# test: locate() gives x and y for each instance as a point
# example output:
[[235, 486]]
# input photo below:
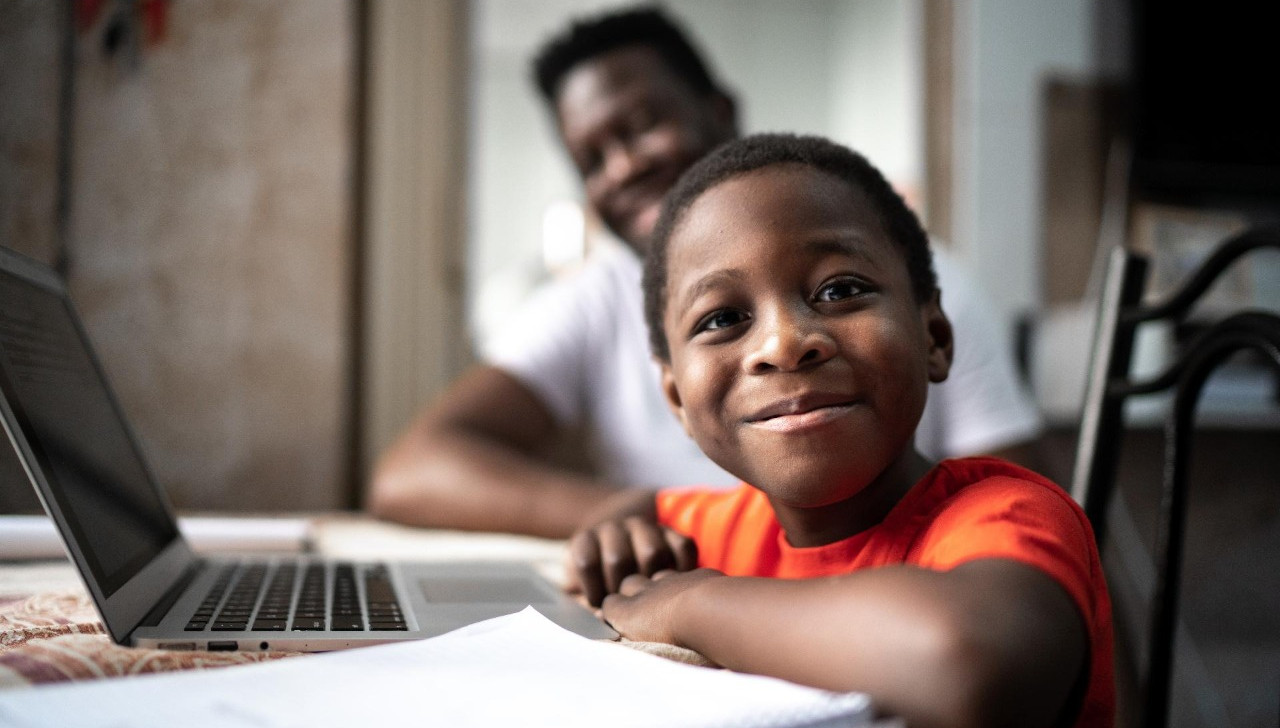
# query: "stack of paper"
[[518, 670], [34, 537]]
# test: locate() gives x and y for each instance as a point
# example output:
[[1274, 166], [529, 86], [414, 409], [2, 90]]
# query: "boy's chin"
[[807, 490]]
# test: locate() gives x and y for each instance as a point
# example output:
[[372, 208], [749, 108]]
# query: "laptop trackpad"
[[478, 589]]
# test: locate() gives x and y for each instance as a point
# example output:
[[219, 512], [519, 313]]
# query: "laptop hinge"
[[162, 607]]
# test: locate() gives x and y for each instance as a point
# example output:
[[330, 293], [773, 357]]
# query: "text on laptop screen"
[[64, 407]]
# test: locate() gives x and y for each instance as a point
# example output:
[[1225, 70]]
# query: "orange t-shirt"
[[962, 510]]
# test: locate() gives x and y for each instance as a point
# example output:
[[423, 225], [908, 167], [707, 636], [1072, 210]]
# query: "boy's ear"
[[672, 394], [940, 337]]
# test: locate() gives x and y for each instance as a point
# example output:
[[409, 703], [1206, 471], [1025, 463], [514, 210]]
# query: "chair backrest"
[[1093, 483]]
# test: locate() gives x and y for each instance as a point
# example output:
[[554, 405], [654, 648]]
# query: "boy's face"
[[800, 358], [632, 127]]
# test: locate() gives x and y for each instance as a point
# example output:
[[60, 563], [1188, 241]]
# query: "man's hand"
[[643, 607], [602, 556]]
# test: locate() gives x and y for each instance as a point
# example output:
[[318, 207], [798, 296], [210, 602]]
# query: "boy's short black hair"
[[643, 25], [764, 150]]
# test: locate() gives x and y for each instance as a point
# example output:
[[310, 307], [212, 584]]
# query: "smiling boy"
[[795, 315]]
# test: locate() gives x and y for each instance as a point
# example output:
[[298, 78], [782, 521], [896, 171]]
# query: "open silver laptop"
[[119, 529]]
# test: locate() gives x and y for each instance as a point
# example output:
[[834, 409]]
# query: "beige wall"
[[29, 78], [210, 239]]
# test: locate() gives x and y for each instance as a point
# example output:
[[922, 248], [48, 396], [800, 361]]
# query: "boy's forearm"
[[889, 632]]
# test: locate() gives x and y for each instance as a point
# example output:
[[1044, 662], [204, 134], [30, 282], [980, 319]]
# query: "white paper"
[[516, 670], [34, 537]]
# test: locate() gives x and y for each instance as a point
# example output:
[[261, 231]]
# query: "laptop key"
[[346, 624], [270, 625], [308, 625], [195, 626]]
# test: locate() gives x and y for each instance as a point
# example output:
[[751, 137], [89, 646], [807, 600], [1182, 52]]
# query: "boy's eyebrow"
[[709, 282], [838, 244]]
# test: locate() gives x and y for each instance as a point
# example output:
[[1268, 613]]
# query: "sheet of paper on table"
[[515, 670], [370, 539], [34, 537]]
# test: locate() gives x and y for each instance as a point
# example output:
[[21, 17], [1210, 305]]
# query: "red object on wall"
[[153, 15]]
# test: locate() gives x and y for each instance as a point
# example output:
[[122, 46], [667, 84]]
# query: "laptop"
[[119, 529]]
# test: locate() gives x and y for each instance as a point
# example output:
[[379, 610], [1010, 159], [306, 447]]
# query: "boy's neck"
[[809, 527]]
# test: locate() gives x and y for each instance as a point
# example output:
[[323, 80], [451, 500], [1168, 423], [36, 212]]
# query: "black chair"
[[1093, 483]]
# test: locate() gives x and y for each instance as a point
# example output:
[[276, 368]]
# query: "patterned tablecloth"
[[49, 632]]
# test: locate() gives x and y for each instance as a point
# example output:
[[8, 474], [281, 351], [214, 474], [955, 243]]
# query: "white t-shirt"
[[582, 346]]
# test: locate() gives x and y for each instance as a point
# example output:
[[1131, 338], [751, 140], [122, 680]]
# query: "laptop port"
[[222, 646], [187, 646]]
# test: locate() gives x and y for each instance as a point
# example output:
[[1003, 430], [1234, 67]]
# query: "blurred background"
[[286, 222]]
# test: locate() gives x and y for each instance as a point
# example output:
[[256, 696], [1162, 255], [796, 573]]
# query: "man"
[[635, 106]]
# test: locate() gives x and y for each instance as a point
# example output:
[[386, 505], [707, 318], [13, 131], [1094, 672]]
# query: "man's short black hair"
[[645, 25], [764, 150]]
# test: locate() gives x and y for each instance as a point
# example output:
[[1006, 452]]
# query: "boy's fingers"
[[633, 585], [617, 559], [684, 550], [584, 556], [649, 546]]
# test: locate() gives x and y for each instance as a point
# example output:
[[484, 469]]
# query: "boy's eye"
[[722, 319], [839, 290]]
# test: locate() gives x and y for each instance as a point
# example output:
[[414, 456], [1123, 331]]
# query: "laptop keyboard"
[[306, 597]]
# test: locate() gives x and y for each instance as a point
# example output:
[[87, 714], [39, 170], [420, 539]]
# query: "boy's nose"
[[787, 342]]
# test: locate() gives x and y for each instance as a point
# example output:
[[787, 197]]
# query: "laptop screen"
[[63, 406]]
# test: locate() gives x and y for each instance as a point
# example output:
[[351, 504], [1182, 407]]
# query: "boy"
[[794, 313]]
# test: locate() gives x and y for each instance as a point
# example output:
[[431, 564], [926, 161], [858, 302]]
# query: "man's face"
[[800, 357], [632, 127]]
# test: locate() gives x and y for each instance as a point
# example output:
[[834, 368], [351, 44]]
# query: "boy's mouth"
[[800, 413]]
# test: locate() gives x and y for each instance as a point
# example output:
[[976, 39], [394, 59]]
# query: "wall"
[[30, 37], [209, 244], [1006, 50]]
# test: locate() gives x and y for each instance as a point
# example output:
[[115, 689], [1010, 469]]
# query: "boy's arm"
[[471, 461], [989, 643]]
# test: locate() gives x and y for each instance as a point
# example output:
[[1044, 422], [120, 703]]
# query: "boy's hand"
[[643, 607], [601, 556]]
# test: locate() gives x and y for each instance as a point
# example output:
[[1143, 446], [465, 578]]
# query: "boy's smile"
[[796, 414], [800, 357]]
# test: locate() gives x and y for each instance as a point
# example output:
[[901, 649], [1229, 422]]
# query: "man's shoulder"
[[606, 281], [610, 272]]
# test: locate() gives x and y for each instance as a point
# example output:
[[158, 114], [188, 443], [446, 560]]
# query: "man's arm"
[[473, 460], [988, 643]]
